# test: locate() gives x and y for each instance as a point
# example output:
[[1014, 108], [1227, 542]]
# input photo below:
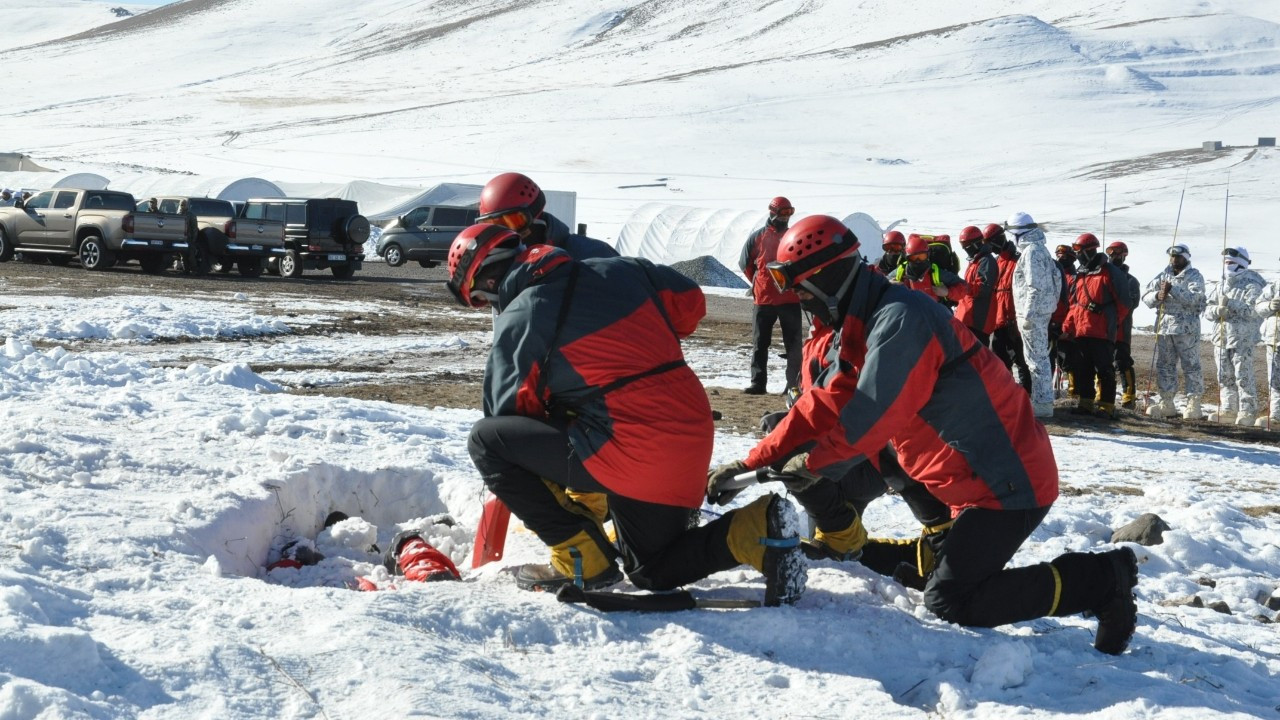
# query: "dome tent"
[[562, 204], [220, 188], [668, 234]]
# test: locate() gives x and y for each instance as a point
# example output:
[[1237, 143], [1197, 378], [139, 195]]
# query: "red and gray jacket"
[[596, 345], [760, 250], [936, 277], [907, 371], [579, 247], [1098, 303], [977, 308], [1006, 263]]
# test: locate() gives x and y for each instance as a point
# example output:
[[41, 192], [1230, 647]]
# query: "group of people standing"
[[592, 415]]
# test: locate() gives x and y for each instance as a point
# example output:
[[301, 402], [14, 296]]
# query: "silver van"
[[424, 234]]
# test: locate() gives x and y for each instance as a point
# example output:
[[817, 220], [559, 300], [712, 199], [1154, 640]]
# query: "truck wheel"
[[198, 260], [59, 260], [250, 267], [342, 272], [393, 255], [94, 254], [222, 265], [272, 265], [6, 249], [290, 264], [155, 263], [428, 263]]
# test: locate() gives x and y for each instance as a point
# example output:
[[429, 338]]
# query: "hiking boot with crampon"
[[1118, 616]]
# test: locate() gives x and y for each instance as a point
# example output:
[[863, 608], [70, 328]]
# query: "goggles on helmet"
[[918, 257], [894, 247], [784, 212], [784, 274], [514, 220], [1232, 252]]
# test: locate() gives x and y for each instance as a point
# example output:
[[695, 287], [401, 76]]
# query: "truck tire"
[[250, 267], [428, 263], [393, 254], [6, 248], [272, 265], [355, 229], [290, 264], [60, 260], [343, 272], [155, 263], [94, 254]]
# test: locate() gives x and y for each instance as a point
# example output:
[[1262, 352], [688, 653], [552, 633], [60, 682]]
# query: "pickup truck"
[[319, 233], [222, 241], [100, 227]]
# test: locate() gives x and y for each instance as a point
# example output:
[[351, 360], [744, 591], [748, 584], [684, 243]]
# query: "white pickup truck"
[[100, 227]]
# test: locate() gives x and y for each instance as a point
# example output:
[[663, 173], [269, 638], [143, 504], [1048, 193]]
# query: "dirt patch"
[[1261, 510]]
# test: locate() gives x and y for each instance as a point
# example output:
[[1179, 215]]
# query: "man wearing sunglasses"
[[771, 304], [894, 246], [1268, 308], [516, 203], [906, 371], [1177, 295], [1236, 330]]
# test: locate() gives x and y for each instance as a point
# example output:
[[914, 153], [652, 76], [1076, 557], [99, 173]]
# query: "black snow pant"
[[971, 586], [762, 321], [1094, 358], [1006, 343], [660, 548]]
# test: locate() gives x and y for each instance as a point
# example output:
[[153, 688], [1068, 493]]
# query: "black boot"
[[1118, 616]]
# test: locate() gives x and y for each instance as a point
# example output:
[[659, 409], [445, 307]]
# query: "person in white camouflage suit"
[[1236, 331], [1268, 309], [1037, 282], [1177, 294]]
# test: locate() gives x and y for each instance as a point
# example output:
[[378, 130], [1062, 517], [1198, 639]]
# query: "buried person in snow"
[[997, 473], [569, 403]]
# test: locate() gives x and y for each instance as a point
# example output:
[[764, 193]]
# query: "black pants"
[[659, 549], [971, 585], [1006, 343], [1094, 358], [762, 320]]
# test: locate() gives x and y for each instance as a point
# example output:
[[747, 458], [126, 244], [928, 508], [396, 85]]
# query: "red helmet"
[[917, 244], [781, 206], [472, 250], [1118, 247], [810, 245], [970, 235], [511, 200], [893, 237], [1086, 241], [941, 239], [994, 231]]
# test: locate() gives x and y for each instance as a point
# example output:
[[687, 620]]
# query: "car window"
[[65, 199], [212, 208], [275, 211], [452, 217], [417, 218], [112, 201], [169, 206], [40, 201], [255, 211], [297, 214]]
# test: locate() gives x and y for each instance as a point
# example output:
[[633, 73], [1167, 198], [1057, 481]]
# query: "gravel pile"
[[709, 271]]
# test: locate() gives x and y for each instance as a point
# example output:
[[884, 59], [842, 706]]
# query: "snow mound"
[[707, 270]]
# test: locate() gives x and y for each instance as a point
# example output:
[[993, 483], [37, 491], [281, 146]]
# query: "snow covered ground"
[[141, 501]]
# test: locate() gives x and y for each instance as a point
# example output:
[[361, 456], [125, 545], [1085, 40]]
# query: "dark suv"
[[318, 234], [424, 234]]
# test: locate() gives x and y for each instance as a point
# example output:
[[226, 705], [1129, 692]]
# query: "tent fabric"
[[83, 181], [668, 234], [562, 204]]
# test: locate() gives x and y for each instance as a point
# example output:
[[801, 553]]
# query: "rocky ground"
[[416, 301]]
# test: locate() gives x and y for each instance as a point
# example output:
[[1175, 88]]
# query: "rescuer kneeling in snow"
[[911, 373]]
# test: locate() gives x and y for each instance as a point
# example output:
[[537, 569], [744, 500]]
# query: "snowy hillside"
[[143, 493]]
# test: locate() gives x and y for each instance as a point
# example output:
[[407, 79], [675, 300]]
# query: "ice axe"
[[606, 601]]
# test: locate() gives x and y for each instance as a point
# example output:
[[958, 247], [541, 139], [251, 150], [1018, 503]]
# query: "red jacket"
[[1098, 303], [1006, 262], [956, 288], [1064, 300], [976, 308], [911, 373], [760, 250], [613, 370]]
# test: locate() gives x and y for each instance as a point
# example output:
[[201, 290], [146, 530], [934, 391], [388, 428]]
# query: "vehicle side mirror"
[[19, 204]]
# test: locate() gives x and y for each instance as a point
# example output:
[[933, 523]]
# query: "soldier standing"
[[1177, 294]]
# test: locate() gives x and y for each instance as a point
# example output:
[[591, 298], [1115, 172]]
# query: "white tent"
[[83, 181], [31, 180], [667, 233], [221, 188]]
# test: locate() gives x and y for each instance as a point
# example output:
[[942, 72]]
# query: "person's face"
[[1178, 262]]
